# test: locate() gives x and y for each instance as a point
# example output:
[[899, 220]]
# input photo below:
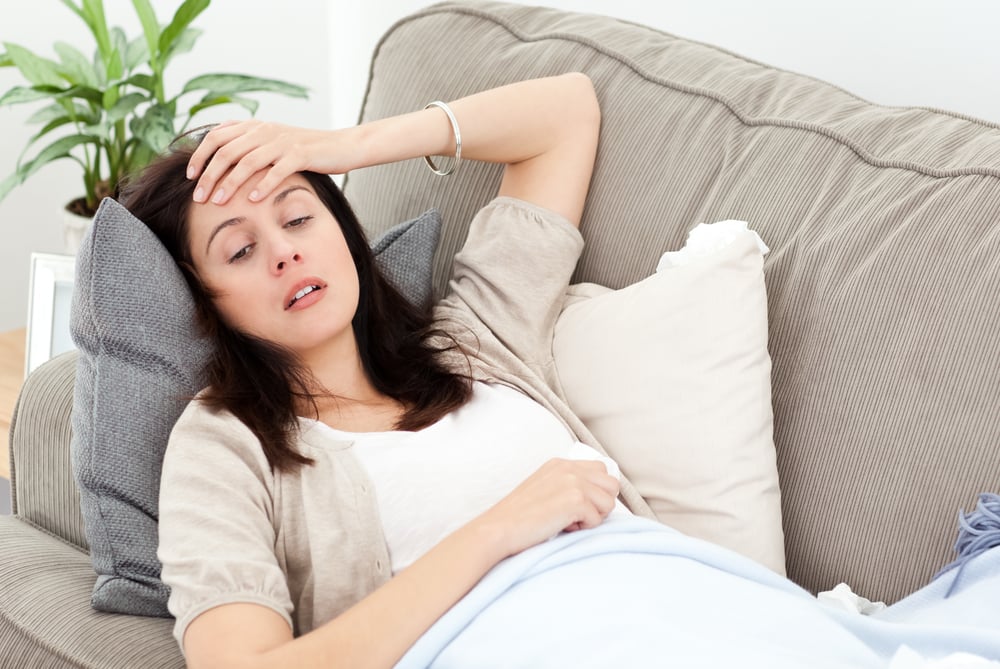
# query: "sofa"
[[881, 282]]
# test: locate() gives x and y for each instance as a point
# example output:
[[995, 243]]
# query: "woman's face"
[[280, 268]]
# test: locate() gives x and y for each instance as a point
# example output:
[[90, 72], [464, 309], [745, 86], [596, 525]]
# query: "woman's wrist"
[[403, 137], [486, 536]]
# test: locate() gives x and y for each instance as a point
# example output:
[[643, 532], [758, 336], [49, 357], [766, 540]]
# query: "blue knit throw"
[[978, 532]]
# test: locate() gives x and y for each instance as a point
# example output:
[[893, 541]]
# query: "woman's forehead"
[[206, 218]]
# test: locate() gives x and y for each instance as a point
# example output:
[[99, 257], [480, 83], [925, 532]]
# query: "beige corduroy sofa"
[[884, 228]]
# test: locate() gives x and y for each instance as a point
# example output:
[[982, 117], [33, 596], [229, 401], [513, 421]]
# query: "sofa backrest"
[[881, 280]]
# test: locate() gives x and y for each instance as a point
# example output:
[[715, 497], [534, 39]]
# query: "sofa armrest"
[[45, 614], [42, 486]]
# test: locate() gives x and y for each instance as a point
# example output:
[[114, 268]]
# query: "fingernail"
[[219, 194], [199, 194], [190, 172], [254, 196]]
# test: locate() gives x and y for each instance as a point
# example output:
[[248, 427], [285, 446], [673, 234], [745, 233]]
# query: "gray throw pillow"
[[141, 357]]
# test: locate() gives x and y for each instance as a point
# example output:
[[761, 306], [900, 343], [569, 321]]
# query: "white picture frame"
[[50, 295]]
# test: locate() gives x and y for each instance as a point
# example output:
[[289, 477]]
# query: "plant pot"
[[74, 228]]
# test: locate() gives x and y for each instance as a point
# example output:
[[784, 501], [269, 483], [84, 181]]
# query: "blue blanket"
[[634, 593]]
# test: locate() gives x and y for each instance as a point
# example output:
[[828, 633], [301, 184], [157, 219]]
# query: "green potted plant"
[[111, 113]]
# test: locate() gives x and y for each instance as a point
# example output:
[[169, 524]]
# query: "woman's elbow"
[[583, 98]]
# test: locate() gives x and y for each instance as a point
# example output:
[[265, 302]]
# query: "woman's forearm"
[[501, 125], [378, 630], [548, 126]]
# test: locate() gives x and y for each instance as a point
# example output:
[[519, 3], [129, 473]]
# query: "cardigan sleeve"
[[216, 526], [512, 274]]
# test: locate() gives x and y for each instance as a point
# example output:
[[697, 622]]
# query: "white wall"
[[894, 52], [286, 40]]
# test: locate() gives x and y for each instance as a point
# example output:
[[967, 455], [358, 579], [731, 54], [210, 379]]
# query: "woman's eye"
[[242, 253], [296, 222]]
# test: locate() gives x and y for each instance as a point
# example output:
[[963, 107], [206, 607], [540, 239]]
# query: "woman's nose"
[[283, 260]]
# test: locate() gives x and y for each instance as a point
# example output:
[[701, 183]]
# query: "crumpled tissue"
[[704, 240], [842, 597]]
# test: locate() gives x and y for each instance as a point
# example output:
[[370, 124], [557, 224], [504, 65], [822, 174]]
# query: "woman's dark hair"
[[262, 383]]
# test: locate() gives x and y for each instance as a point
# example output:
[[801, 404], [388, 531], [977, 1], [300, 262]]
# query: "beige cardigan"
[[309, 544]]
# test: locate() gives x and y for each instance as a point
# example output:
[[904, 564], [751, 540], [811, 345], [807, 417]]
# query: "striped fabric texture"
[[44, 492], [882, 277], [46, 621]]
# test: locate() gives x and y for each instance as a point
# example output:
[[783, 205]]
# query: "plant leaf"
[[150, 29], [8, 184], [37, 70], [144, 81], [183, 44], [49, 127], [6, 61], [76, 9], [227, 84], [136, 52], [75, 67], [57, 110], [81, 92], [155, 128], [125, 106], [209, 101], [93, 14], [97, 130], [58, 149], [21, 94], [140, 156], [116, 68], [185, 14]]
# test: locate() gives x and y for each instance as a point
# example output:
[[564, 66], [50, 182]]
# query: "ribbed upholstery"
[[882, 279], [43, 489], [46, 621]]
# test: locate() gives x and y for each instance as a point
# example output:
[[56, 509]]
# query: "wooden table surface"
[[11, 378]]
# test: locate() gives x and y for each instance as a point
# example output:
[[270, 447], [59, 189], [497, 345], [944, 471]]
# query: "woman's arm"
[[545, 130], [379, 629]]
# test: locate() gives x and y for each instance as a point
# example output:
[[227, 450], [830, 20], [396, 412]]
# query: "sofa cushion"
[[45, 619], [141, 359], [673, 376], [881, 279]]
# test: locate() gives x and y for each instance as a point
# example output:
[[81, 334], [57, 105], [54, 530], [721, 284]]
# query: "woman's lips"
[[304, 294]]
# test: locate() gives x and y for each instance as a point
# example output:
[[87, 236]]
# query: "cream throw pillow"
[[673, 376]]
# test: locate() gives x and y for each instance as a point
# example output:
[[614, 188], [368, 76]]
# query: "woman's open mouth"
[[305, 294]]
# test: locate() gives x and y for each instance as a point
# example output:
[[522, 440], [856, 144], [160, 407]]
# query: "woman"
[[354, 467]]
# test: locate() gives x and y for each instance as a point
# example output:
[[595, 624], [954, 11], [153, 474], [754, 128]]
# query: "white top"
[[431, 482]]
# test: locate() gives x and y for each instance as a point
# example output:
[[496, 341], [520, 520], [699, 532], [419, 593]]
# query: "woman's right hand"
[[234, 151], [562, 495], [377, 631]]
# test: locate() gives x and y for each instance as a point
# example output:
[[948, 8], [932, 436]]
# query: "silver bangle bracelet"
[[458, 140]]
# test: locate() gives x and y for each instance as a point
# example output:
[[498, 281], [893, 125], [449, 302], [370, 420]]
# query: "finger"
[[279, 171], [609, 484], [229, 168], [596, 472], [602, 500], [253, 162], [590, 518], [216, 137]]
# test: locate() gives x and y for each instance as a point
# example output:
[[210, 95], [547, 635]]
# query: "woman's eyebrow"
[[240, 219], [283, 194], [220, 227]]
